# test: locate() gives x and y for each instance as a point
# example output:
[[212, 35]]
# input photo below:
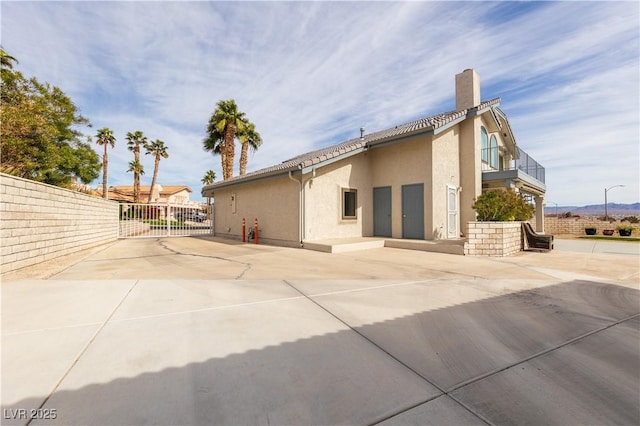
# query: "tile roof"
[[145, 189], [116, 194], [172, 189], [354, 145]]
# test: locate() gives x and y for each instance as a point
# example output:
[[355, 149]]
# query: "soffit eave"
[[209, 190], [522, 180]]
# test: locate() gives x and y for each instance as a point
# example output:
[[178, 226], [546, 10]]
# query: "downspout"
[[299, 182], [303, 216]]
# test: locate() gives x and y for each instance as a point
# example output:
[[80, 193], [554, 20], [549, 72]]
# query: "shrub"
[[627, 228], [631, 219], [606, 219], [502, 206]]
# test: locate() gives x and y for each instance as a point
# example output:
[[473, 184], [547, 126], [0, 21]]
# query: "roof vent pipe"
[[361, 133]]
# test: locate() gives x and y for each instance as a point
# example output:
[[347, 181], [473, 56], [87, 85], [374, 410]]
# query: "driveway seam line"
[[371, 288], [443, 392], [82, 352], [449, 392], [215, 308], [361, 335], [539, 354]]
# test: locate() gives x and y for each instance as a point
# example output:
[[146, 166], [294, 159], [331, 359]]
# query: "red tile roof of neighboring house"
[[125, 192], [117, 195], [145, 189]]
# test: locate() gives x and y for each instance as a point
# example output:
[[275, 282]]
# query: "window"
[[349, 203], [485, 145], [493, 148]]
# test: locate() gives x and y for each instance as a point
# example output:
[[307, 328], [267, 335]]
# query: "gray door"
[[413, 211], [382, 211]]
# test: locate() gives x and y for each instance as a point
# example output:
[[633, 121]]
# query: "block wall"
[[576, 225], [493, 238], [40, 222]]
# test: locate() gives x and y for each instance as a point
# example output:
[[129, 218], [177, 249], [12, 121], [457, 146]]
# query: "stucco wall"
[[401, 164], [446, 172], [274, 202], [470, 171], [493, 238], [323, 200], [40, 222], [394, 165], [181, 197]]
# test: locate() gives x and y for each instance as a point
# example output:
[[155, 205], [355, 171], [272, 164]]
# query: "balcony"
[[524, 173], [527, 164]]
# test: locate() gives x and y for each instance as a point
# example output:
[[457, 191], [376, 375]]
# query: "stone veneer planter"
[[493, 238]]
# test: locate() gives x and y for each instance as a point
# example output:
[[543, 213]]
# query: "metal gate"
[[161, 220]]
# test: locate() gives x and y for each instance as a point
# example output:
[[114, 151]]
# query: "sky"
[[311, 74]]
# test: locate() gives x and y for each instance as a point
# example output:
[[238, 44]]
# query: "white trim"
[[455, 232], [343, 191]]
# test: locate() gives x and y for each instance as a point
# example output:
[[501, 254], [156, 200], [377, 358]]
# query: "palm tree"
[[249, 138], [225, 121], [213, 142], [106, 138], [137, 168], [134, 140], [208, 179], [6, 60], [159, 150]]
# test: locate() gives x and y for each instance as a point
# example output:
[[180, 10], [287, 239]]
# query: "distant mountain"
[[616, 209]]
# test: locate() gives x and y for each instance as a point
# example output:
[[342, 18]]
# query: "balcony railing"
[[525, 162]]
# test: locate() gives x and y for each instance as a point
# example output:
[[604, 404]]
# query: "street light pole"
[[606, 216]]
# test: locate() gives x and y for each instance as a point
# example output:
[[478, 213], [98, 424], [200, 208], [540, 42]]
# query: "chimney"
[[467, 89]]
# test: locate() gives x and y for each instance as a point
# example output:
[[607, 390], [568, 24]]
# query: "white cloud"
[[311, 74]]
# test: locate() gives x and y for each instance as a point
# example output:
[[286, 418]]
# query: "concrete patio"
[[199, 331]]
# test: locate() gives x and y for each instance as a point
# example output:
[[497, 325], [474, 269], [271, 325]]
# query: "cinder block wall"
[[576, 225], [493, 238], [40, 222]]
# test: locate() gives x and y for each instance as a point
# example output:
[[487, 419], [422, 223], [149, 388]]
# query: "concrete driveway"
[[195, 331]]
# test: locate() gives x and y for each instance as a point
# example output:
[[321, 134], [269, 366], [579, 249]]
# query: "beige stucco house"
[[176, 195], [416, 180]]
